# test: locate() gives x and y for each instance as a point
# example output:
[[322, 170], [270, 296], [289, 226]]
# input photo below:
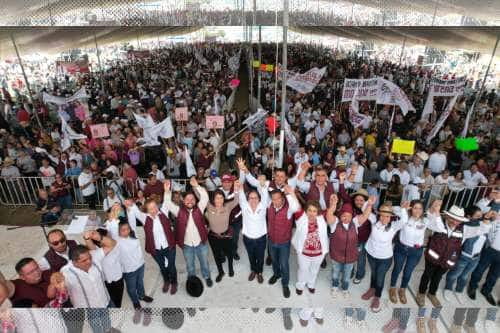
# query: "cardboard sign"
[[466, 144], [99, 131], [214, 122], [181, 114], [234, 83], [406, 147]]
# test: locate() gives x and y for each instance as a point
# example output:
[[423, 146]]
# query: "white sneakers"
[[334, 291], [447, 295], [460, 298]]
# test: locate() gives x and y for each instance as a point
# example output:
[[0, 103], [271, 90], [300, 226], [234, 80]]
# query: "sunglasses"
[[57, 242]]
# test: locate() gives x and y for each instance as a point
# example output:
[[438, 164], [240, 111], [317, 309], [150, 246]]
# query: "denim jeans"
[[99, 318], [361, 264], [200, 251], [360, 313], [343, 269], [135, 284], [256, 249], [402, 315], [460, 273], [489, 258], [434, 312], [65, 202], [404, 256], [169, 273], [280, 254], [379, 268]]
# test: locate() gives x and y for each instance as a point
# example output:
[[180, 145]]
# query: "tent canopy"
[[478, 39], [55, 40]]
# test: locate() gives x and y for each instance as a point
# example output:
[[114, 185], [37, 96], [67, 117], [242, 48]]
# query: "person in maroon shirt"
[[204, 160], [60, 190], [33, 284], [153, 187]]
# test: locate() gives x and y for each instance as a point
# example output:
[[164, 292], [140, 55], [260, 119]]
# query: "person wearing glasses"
[[58, 254]]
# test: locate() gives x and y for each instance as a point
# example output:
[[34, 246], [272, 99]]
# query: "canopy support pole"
[[35, 112], [402, 51], [283, 84], [99, 62]]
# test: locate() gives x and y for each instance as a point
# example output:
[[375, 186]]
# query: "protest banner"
[[181, 114], [99, 131], [390, 94], [47, 98], [406, 147], [306, 82], [138, 54], [73, 67], [466, 144], [446, 88], [216, 122], [441, 120], [367, 89]]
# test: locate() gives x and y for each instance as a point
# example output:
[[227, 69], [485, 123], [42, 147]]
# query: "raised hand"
[[334, 199], [436, 206], [372, 199], [305, 166], [342, 177], [405, 205], [236, 185], [193, 182], [167, 185], [288, 189], [241, 164]]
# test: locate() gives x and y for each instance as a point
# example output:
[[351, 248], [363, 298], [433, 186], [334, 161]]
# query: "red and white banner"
[[73, 67], [305, 83], [364, 89], [441, 120], [440, 87], [391, 94], [357, 119], [47, 98]]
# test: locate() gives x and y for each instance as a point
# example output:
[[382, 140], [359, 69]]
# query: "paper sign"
[[256, 63], [181, 114], [406, 147], [214, 122], [466, 144], [234, 83], [77, 225], [99, 131], [269, 68]]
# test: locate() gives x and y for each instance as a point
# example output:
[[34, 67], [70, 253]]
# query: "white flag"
[[152, 131], [442, 119], [68, 134], [190, 170], [47, 98], [255, 118], [467, 120], [390, 94], [305, 83], [357, 119]]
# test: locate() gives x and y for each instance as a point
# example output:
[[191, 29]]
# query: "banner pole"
[[99, 62], [35, 112], [283, 84]]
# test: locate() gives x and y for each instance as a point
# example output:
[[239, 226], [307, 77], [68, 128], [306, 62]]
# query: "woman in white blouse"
[[379, 249], [132, 261], [311, 242], [409, 247], [115, 215]]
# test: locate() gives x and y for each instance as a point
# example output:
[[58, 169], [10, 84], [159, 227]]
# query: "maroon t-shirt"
[[35, 292]]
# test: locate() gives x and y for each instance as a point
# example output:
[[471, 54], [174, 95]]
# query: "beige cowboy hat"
[[362, 192], [386, 207], [8, 161], [423, 155], [456, 213]]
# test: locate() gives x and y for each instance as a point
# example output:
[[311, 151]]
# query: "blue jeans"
[[360, 313], [200, 251], [135, 284], [280, 254], [255, 250], [379, 268], [489, 258], [343, 269], [99, 318], [434, 312], [168, 273], [361, 265], [460, 273], [404, 256]]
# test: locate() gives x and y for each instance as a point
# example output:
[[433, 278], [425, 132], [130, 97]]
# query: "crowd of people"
[[340, 197]]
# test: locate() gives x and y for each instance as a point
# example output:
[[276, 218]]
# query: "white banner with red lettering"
[[47, 98], [367, 89], [390, 94], [305, 83], [447, 88]]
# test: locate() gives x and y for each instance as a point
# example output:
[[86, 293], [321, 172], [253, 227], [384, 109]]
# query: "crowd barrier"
[[23, 191]]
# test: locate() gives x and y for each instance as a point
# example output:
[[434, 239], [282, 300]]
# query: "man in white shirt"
[[84, 281], [47, 172], [416, 168], [320, 131], [191, 230], [472, 177], [157, 172], [437, 162], [404, 176], [301, 156], [232, 146], [111, 199], [387, 173], [86, 182]]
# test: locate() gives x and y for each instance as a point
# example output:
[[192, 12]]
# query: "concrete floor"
[[230, 304]]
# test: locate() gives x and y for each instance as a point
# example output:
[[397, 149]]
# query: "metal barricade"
[[23, 191]]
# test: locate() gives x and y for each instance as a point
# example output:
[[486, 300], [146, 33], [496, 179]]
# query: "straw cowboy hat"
[[456, 213], [8, 161], [386, 207], [423, 155], [362, 192]]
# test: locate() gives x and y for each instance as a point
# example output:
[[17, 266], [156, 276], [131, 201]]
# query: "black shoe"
[[231, 273], [147, 299], [489, 298], [273, 279], [219, 277], [323, 263], [269, 261], [236, 256], [209, 282], [286, 292], [223, 259], [471, 293]]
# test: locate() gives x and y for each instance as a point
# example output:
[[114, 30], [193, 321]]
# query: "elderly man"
[[191, 229]]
